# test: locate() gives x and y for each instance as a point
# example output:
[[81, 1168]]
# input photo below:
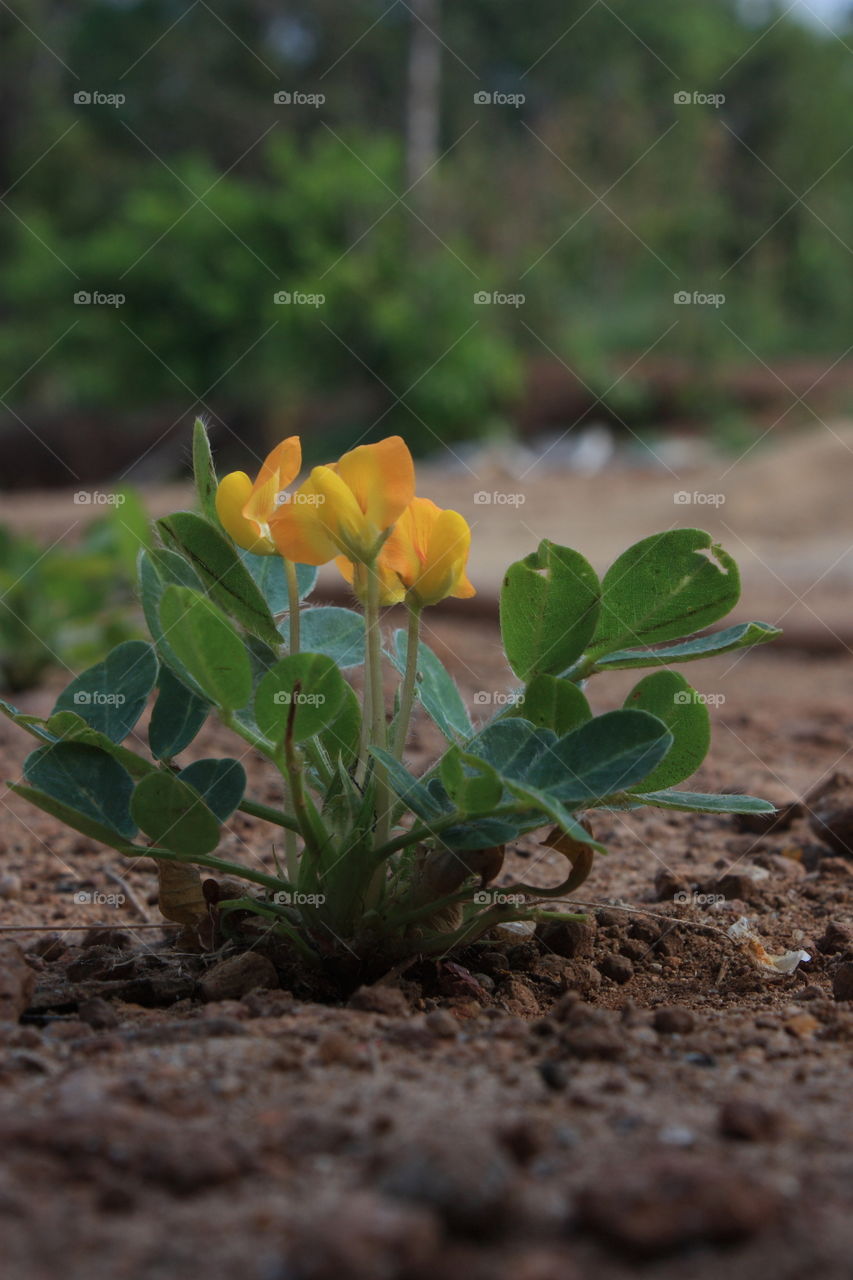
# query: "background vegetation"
[[598, 198]]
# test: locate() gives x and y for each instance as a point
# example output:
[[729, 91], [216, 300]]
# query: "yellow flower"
[[344, 509], [391, 589], [246, 509], [428, 551]]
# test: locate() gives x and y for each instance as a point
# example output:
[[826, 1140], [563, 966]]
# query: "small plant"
[[378, 863], [67, 605]]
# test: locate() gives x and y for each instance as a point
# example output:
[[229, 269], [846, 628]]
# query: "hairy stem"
[[407, 692]]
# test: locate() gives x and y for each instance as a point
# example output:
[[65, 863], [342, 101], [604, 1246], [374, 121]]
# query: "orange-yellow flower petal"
[[428, 549], [297, 530], [245, 508], [391, 589], [382, 479], [232, 494]]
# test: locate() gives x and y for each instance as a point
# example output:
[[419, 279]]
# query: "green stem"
[[291, 856], [377, 702], [214, 864], [407, 692], [268, 814]]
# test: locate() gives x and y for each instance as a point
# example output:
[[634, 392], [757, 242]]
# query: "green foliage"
[[378, 860], [68, 603]]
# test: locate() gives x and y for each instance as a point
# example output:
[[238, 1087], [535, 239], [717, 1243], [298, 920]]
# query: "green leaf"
[[73, 818], [152, 584], [208, 646], [549, 608], [339, 633], [85, 779], [665, 587], [410, 789], [340, 738], [268, 573], [225, 577], [111, 695], [173, 815], [741, 636], [608, 754], [512, 746], [67, 726], [552, 703], [220, 783], [33, 725], [435, 689], [177, 717], [312, 682], [697, 802], [472, 784], [204, 471], [667, 695], [556, 812]]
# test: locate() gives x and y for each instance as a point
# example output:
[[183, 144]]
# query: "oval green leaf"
[[208, 646], [307, 685], [111, 695], [173, 815], [667, 695], [549, 609]]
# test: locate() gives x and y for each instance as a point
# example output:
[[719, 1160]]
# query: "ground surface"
[[649, 1102]]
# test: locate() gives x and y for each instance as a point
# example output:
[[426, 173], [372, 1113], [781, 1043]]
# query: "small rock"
[[442, 1024], [17, 982], [97, 1013], [373, 1239], [568, 938], [590, 1042], [50, 947], [836, 939], [553, 1074], [802, 1025], [10, 886], [462, 1177], [101, 936], [831, 816], [336, 1047], [748, 1120], [668, 885], [735, 884], [617, 968], [650, 1208], [673, 1020], [237, 975], [842, 982], [380, 999]]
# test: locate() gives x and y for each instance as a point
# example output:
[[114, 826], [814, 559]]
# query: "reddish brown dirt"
[[650, 1104]]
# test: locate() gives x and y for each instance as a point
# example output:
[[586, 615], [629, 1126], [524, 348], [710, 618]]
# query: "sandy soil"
[[627, 1096]]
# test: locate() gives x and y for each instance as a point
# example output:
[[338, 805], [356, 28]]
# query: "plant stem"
[[268, 814], [291, 857], [377, 702], [407, 692], [214, 864]]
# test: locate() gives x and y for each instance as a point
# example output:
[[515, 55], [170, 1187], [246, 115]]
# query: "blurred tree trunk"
[[423, 107]]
